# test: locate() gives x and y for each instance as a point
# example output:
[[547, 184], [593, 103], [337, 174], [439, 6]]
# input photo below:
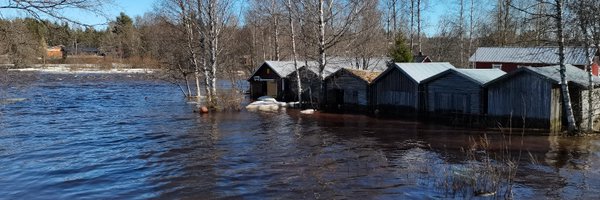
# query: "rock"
[[308, 111], [203, 109]]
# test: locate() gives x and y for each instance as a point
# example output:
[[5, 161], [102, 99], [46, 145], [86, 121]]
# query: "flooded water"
[[121, 136]]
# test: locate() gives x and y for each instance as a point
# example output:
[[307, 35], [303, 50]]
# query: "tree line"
[[201, 41]]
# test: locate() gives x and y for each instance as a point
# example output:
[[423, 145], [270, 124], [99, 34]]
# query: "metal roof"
[[572, 73], [421, 71], [336, 63], [283, 68], [482, 76], [530, 55]]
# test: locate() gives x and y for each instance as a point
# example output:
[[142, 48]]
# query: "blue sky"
[[436, 9]]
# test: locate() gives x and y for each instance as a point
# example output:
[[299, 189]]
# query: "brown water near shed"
[[123, 136]]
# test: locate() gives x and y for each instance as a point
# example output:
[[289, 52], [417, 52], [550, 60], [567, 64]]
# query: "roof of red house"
[[531, 55]]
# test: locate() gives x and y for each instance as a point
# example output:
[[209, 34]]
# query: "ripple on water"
[[98, 138]]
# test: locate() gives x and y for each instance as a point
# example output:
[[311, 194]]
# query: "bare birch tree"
[[213, 17], [288, 5]]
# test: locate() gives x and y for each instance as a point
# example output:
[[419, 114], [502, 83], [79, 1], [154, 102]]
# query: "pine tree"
[[400, 52]]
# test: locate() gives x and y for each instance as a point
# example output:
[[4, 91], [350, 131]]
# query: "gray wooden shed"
[[459, 91], [311, 82], [348, 89], [398, 90], [532, 95]]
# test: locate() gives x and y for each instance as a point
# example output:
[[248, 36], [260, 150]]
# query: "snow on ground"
[[84, 69], [266, 103]]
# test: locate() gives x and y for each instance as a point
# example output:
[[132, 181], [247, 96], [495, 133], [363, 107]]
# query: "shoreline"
[[83, 68]]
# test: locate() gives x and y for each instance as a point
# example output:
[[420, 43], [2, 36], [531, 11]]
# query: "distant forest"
[[206, 38], [354, 29]]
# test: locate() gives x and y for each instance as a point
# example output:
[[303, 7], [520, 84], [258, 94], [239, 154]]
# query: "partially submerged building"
[[398, 89], [348, 89], [459, 91], [270, 79], [530, 97], [278, 79]]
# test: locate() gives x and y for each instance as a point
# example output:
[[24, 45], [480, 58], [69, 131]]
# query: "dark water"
[[119, 136]]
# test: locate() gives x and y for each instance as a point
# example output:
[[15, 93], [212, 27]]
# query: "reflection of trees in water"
[[286, 155]]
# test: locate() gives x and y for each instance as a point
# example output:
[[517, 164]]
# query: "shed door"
[[272, 88]]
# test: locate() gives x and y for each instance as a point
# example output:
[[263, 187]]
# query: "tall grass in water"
[[484, 172], [489, 168]]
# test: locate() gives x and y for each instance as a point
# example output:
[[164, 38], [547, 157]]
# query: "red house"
[[511, 58]]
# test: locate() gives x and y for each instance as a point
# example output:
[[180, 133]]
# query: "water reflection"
[[129, 137]]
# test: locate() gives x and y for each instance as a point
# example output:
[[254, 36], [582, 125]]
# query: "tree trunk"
[[187, 85], [571, 126], [214, 46], [461, 33], [193, 57], [583, 25], [419, 24], [276, 29], [322, 47], [471, 27], [294, 54], [412, 25], [394, 19]]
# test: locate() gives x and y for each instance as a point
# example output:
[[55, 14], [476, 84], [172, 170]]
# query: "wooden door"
[[272, 89]]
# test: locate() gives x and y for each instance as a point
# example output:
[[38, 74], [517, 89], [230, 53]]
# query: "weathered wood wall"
[[354, 89], [524, 95], [310, 85], [396, 91], [452, 93], [258, 89]]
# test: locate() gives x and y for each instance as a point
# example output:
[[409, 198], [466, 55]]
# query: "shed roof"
[[421, 71], [336, 63], [365, 75], [572, 73], [530, 55], [283, 68], [481, 76]]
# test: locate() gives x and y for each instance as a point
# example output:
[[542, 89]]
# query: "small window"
[[268, 71], [496, 66]]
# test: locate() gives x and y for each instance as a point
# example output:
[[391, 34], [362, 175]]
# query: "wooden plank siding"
[[310, 85], [259, 88], [344, 91], [395, 93], [452, 93], [525, 96]]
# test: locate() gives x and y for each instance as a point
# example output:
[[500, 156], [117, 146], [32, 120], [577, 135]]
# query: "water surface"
[[123, 136]]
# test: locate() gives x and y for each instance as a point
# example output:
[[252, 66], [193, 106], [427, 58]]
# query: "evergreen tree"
[[400, 52]]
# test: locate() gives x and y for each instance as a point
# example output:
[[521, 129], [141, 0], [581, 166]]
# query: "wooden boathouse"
[[270, 79], [348, 90], [398, 91], [311, 82], [530, 97], [459, 91]]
